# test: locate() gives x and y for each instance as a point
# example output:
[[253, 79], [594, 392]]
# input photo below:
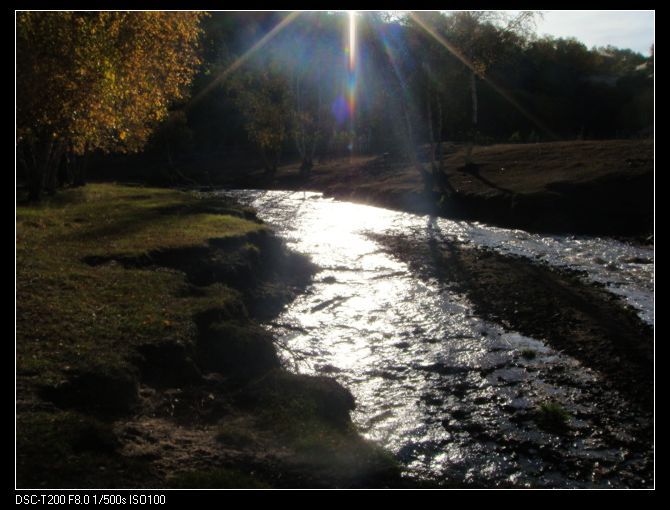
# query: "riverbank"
[[577, 187], [582, 319], [483, 357], [140, 361], [573, 317]]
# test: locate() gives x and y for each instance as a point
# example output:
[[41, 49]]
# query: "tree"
[[433, 77], [477, 39], [307, 106], [287, 88], [96, 81], [262, 95]]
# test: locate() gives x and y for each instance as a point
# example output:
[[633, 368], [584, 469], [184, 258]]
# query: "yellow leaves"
[[108, 82]]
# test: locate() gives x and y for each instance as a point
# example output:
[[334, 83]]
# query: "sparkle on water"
[[427, 374]]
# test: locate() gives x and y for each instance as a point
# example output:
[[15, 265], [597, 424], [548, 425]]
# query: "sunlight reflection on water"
[[433, 383]]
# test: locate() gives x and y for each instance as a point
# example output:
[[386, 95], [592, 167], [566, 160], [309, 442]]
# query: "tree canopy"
[[277, 85], [98, 80], [531, 88]]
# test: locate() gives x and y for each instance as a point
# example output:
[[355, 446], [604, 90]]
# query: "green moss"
[[243, 351], [237, 433], [310, 415], [300, 404], [64, 432]]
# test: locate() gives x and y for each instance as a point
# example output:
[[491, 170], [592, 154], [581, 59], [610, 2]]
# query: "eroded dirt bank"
[[140, 361], [581, 187], [466, 395]]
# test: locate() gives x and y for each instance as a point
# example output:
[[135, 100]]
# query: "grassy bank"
[[580, 187], [139, 359]]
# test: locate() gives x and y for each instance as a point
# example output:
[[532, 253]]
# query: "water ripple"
[[449, 393]]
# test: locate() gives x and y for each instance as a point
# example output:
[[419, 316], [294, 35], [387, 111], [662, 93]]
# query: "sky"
[[624, 29]]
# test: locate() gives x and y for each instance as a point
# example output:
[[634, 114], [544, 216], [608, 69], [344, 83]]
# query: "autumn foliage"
[[97, 81]]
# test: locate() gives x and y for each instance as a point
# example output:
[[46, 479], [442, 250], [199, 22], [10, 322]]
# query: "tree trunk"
[[277, 160], [168, 153], [306, 167], [81, 162], [431, 133], [34, 178], [317, 131], [51, 171], [473, 127], [425, 176], [266, 163], [299, 131], [25, 155], [439, 175], [473, 92], [439, 133], [39, 169], [63, 170]]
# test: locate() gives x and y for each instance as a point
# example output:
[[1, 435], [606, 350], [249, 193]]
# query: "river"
[[439, 387]]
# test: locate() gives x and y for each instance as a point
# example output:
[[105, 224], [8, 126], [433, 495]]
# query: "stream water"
[[450, 394]]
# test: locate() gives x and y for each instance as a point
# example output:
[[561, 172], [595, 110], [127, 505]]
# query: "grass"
[[552, 416], [81, 322], [74, 318], [528, 353], [71, 315], [74, 451]]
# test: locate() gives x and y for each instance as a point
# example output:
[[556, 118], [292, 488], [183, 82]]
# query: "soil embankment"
[[140, 362], [580, 187]]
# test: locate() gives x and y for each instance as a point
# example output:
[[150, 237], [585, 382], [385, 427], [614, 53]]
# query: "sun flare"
[[352, 40], [351, 85]]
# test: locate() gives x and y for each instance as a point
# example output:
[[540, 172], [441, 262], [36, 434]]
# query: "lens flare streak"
[[468, 63], [352, 77], [246, 56]]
